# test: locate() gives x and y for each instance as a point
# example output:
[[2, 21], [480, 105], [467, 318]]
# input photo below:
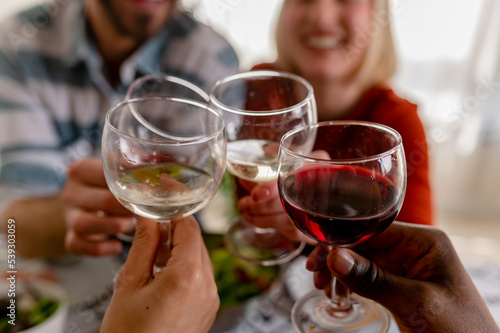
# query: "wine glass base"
[[260, 246], [312, 314]]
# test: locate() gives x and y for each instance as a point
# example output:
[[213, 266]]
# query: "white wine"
[[254, 160], [164, 191]]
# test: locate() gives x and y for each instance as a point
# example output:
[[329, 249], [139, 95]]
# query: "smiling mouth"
[[323, 43]]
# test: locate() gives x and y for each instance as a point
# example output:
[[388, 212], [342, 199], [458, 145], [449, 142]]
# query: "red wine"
[[339, 204]]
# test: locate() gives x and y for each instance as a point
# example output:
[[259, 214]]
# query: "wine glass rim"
[[187, 141], [344, 123], [171, 78], [263, 74]]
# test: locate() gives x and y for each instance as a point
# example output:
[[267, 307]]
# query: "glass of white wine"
[[259, 107], [163, 157], [161, 85]]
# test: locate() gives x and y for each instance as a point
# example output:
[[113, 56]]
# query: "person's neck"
[[336, 99], [114, 47]]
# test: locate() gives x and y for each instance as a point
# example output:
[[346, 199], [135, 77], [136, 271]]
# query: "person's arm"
[[415, 273], [40, 226], [181, 298], [92, 213], [79, 220], [29, 161]]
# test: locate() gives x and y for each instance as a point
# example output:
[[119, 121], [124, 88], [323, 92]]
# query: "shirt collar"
[[146, 60]]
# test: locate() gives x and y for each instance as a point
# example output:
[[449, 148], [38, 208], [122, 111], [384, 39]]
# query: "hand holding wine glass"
[[415, 273], [341, 200], [92, 213], [167, 302], [163, 158], [263, 208]]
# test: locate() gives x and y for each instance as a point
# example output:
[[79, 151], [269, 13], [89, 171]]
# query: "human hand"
[[262, 208], [92, 213], [415, 273], [181, 298]]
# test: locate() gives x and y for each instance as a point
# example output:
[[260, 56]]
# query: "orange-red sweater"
[[383, 106]]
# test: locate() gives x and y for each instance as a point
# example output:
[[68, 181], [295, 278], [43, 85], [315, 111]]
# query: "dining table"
[[89, 286], [88, 283]]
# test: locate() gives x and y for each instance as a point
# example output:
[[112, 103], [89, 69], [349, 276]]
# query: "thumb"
[[366, 278], [141, 257]]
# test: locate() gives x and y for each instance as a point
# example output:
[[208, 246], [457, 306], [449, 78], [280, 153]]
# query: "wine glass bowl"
[[156, 176], [163, 157], [162, 85], [350, 194], [259, 107]]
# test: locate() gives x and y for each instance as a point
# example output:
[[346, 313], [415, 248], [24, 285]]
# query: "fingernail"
[[311, 265], [343, 262], [261, 193]]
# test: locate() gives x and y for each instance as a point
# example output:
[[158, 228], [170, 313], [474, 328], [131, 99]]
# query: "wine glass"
[[161, 85], [351, 193], [163, 157], [258, 108]]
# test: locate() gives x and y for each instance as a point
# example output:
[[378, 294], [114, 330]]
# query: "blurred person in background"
[[345, 50], [62, 65]]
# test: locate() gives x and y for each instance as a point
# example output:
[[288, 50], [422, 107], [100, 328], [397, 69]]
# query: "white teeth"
[[323, 42]]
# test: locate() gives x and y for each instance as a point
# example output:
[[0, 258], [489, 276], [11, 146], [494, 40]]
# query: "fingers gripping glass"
[[350, 194], [258, 108], [155, 175]]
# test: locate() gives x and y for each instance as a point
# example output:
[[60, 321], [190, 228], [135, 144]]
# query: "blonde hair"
[[379, 62]]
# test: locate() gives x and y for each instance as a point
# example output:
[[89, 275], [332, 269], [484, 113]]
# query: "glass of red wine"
[[350, 191]]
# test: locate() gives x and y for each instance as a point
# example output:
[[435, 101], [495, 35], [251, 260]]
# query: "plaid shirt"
[[54, 95]]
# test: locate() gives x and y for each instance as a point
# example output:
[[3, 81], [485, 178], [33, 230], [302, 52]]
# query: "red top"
[[383, 106]]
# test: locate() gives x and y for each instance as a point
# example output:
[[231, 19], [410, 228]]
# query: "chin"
[[323, 74]]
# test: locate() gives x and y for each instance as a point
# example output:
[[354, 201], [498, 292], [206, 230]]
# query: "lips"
[[322, 42]]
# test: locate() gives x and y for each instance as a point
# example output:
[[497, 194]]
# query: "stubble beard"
[[143, 20]]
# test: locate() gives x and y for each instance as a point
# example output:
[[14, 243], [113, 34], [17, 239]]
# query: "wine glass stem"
[[341, 297], [165, 244]]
